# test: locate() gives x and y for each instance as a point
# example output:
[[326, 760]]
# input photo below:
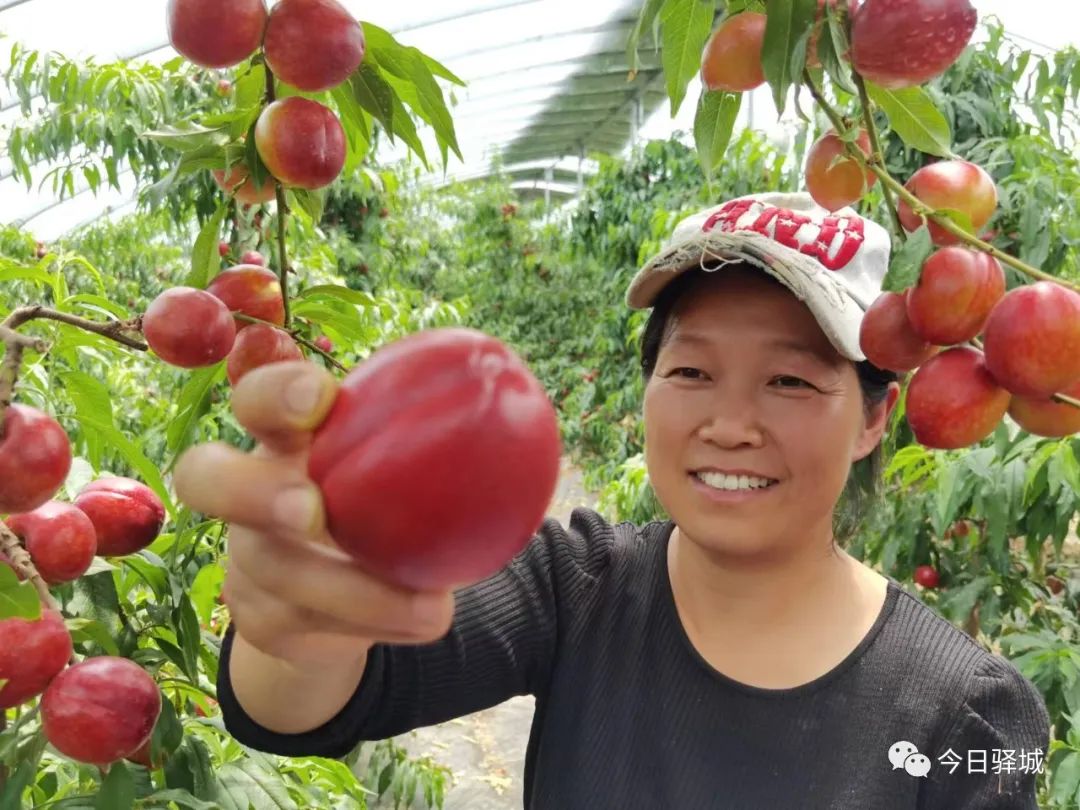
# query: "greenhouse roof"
[[547, 82]]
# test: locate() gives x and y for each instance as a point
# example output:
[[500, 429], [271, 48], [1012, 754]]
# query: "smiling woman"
[[733, 656]]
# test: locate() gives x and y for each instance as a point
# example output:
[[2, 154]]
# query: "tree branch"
[[282, 209], [922, 208], [114, 330]]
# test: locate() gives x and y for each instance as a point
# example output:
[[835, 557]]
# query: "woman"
[[731, 657]]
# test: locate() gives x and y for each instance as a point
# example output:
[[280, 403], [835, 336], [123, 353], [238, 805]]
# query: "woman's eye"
[[792, 382], [688, 373]]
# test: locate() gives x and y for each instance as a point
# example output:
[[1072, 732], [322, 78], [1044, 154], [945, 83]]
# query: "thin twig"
[[878, 155], [113, 330], [282, 209]]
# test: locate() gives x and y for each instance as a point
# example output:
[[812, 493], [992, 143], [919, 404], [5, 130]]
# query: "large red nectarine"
[[35, 457], [313, 45], [953, 401], [901, 43], [100, 710], [955, 184], [216, 33], [60, 539], [1048, 417], [259, 345], [956, 291], [301, 142], [189, 328], [1032, 339], [445, 428], [32, 652], [250, 290], [127, 515], [886, 336]]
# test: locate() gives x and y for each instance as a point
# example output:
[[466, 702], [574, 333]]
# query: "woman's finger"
[[251, 490], [282, 403]]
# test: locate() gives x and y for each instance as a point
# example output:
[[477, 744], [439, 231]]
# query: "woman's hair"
[[863, 486]]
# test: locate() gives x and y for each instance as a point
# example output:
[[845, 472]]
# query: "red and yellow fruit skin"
[[886, 336], [60, 539], [216, 33], [956, 292], [189, 328], [324, 343], [902, 43], [100, 710], [1032, 339], [301, 142], [35, 457], [956, 184], [253, 257], [237, 181], [32, 653], [1047, 417], [835, 185], [732, 57], [953, 402], [127, 515], [314, 45], [438, 459], [260, 345], [250, 290]]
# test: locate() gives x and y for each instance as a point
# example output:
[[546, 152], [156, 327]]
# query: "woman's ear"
[[877, 422]]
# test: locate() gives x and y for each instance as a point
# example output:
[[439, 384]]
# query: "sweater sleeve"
[[998, 744], [501, 643]]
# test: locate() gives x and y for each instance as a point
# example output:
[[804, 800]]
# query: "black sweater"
[[629, 716]]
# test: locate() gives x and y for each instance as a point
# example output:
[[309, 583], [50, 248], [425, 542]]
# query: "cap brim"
[[838, 314]]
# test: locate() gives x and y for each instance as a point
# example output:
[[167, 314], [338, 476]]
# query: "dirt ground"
[[486, 750]]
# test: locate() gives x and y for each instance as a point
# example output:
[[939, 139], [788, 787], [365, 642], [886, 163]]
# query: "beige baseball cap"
[[834, 262]]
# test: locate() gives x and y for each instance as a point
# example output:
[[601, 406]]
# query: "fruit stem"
[[918, 206], [878, 155], [282, 209], [113, 330]]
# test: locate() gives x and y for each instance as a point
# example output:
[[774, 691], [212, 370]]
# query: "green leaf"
[[205, 589], [181, 798], [374, 94], [831, 43], [646, 20], [193, 402], [905, 269], [189, 635], [1066, 779], [783, 54], [250, 88], [713, 124], [92, 631], [189, 137], [254, 782], [685, 26], [349, 324], [205, 259], [336, 291], [959, 217], [131, 453], [17, 599], [88, 395], [11, 797], [913, 116], [117, 790], [311, 202], [957, 604], [95, 598]]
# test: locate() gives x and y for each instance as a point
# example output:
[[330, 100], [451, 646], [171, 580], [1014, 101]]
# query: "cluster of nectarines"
[[311, 45], [103, 708], [192, 328], [894, 43]]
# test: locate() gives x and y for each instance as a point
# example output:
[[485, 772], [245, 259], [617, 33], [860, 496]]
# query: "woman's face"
[[747, 383]]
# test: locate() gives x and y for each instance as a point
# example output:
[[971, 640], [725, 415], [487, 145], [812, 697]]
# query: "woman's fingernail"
[[297, 508], [302, 395]]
